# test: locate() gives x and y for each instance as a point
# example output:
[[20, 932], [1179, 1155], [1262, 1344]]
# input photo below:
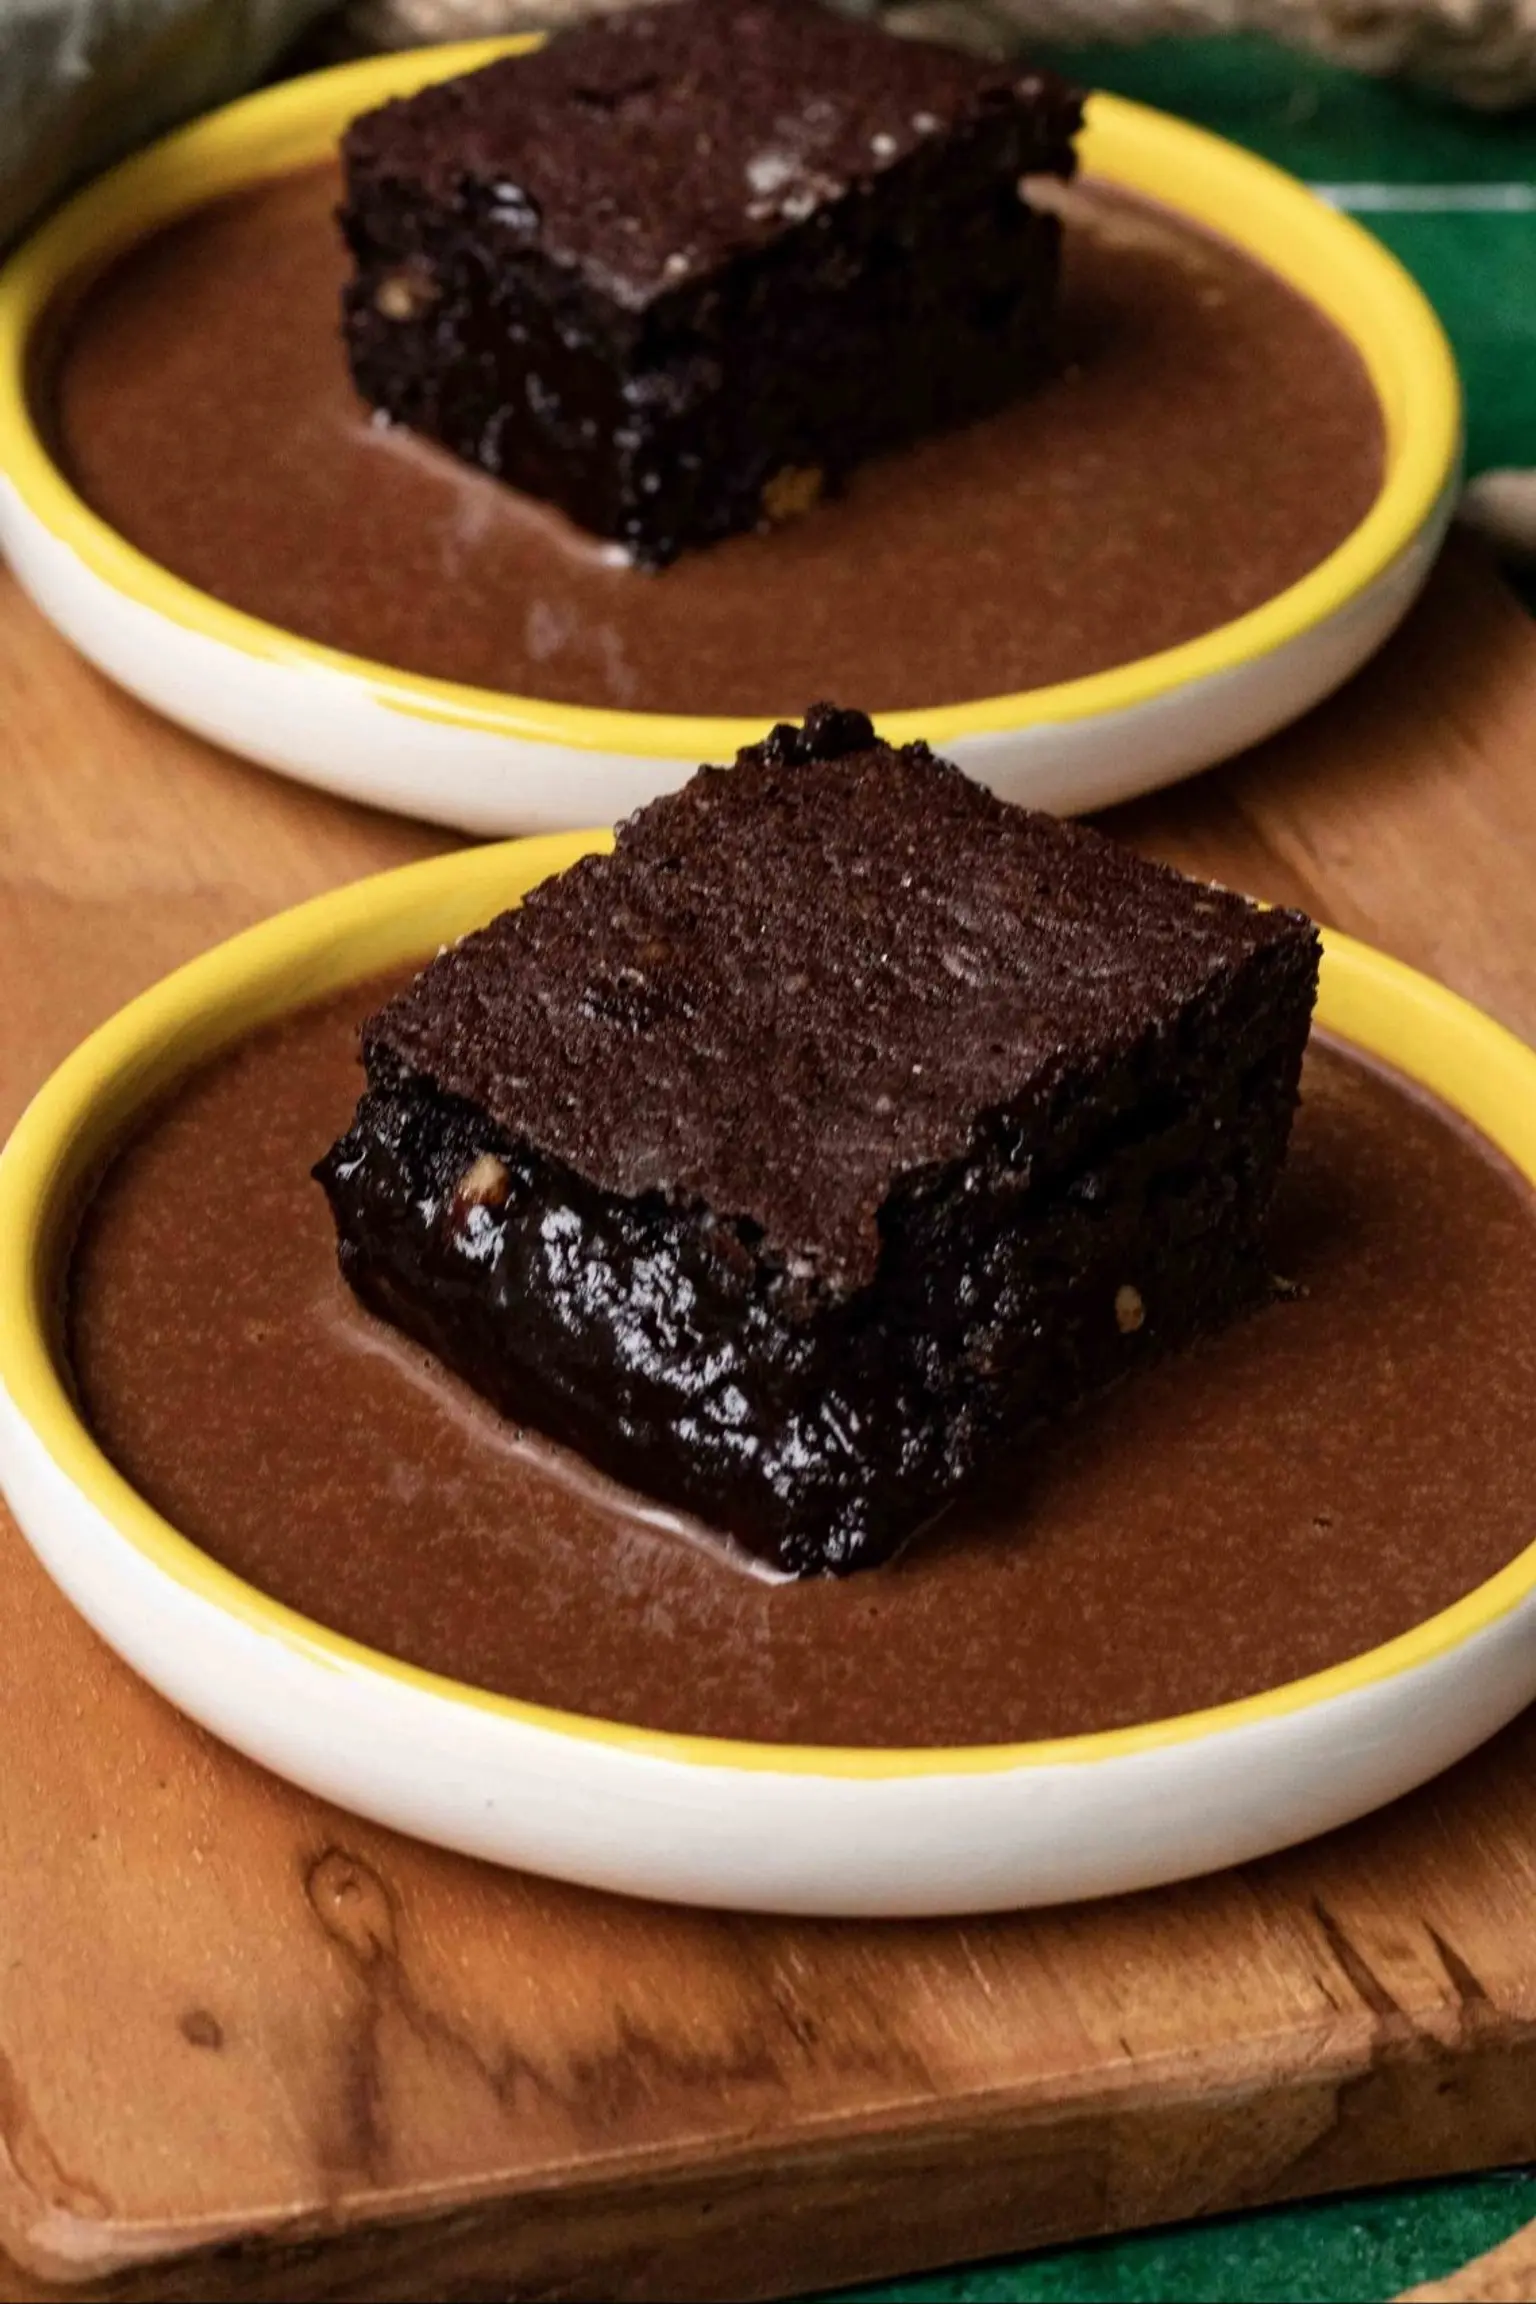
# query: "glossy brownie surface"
[[840, 1125]]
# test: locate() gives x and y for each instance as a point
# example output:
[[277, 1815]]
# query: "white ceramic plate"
[[490, 762], [700, 1820]]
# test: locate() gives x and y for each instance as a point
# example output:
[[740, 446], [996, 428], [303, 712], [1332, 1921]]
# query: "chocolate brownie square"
[[837, 1128], [684, 267]]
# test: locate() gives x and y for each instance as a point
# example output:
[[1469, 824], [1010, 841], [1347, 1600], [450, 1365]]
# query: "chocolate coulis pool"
[[1320, 1478], [1211, 437]]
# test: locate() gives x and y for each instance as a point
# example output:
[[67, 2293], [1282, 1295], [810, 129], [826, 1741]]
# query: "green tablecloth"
[[1455, 198], [1453, 195], [1353, 2251]]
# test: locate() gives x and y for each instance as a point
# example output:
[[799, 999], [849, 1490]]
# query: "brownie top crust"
[[646, 148], [798, 981]]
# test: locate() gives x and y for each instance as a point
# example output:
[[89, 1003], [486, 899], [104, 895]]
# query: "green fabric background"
[[1479, 268]]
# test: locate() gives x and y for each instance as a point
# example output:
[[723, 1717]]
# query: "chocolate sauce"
[[1312, 1482], [1210, 438]]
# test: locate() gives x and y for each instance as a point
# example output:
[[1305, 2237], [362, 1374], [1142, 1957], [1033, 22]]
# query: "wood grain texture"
[[251, 2048], [1506, 2275]]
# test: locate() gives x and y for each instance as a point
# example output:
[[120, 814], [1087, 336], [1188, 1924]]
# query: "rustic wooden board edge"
[[1002, 2179]]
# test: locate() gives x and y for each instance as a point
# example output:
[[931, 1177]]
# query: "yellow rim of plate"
[[1327, 257], [1377, 1005]]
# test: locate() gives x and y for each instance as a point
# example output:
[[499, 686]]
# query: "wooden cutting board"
[[250, 2047]]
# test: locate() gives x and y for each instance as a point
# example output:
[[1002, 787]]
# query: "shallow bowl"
[[696, 1819], [490, 762]]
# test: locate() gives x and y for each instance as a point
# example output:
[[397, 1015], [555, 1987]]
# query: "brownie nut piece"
[[682, 268], [839, 1126]]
